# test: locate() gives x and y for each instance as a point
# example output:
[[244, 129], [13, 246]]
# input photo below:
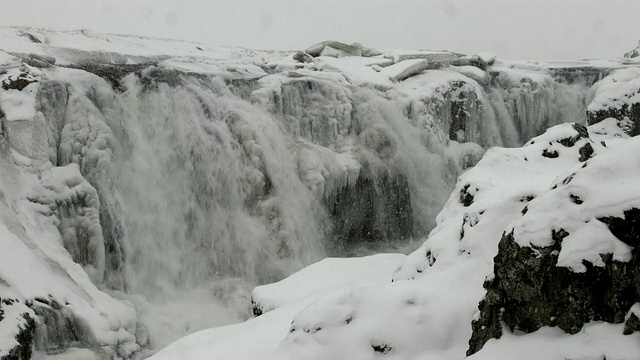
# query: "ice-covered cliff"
[[177, 175]]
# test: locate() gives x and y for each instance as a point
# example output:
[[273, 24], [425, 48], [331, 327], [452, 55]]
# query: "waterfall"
[[207, 187], [210, 189]]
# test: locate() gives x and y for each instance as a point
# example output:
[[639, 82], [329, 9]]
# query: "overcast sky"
[[513, 29]]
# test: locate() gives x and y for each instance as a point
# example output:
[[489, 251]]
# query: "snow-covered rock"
[[571, 257], [617, 96]]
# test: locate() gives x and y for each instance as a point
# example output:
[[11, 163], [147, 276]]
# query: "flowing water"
[[211, 189]]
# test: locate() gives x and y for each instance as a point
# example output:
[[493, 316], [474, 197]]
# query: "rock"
[[354, 49], [39, 61], [369, 52], [16, 318], [18, 82], [632, 324], [434, 57], [329, 51], [488, 58], [616, 96], [30, 36], [302, 57], [405, 69], [471, 60], [581, 268]]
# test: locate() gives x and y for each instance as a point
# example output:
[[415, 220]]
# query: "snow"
[[326, 275], [595, 341], [281, 301], [588, 243], [603, 188], [18, 105], [620, 89], [11, 323], [81, 46]]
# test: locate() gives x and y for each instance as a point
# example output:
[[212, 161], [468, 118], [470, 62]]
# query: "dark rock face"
[[530, 291]]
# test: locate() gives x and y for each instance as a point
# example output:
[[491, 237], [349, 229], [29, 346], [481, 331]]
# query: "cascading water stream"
[[210, 190]]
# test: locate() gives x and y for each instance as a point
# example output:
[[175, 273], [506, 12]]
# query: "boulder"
[[434, 57], [302, 57], [617, 96], [471, 60], [573, 256], [354, 49], [332, 52], [405, 69]]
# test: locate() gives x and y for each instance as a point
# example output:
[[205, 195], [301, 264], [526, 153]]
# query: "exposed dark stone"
[[527, 198], [632, 324], [466, 199], [550, 154], [19, 83], [627, 229], [256, 308], [583, 133], [530, 291], [576, 199], [585, 152], [382, 348]]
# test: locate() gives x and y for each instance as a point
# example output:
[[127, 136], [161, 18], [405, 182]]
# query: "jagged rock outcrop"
[[572, 257]]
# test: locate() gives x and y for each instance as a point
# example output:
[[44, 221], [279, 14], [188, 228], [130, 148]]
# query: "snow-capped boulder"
[[354, 49], [617, 96], [572, 256]]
